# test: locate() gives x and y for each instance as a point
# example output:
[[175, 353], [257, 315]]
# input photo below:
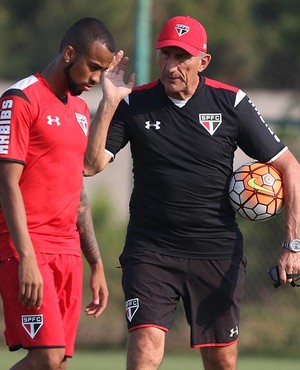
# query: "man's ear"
[[69, 53], [205, 60]]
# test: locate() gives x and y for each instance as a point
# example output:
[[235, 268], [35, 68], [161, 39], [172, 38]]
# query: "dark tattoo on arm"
[[88, 242]]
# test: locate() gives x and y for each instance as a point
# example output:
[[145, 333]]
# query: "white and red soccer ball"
[[256, 191]]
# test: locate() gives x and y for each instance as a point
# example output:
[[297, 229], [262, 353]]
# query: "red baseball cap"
[[186, 33]]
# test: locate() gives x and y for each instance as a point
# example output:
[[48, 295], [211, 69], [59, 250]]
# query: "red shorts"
[[55, 324]]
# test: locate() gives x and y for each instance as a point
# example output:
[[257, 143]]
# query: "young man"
[[44, 128], [183, 241]]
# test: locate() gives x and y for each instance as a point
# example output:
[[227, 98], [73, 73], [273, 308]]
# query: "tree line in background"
[[254, 43]]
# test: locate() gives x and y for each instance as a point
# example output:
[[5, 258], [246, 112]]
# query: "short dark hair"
[[85, 32]]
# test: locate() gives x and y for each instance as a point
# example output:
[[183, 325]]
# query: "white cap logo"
[[181, 29]]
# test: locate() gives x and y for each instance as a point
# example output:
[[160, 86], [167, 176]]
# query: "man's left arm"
[[289, 167], [90, 249]]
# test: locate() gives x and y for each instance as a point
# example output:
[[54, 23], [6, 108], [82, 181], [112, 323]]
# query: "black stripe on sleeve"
[[15, 92]]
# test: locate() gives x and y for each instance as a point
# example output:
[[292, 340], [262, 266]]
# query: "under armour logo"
[[52, 121], [32, 324], [181, 29], [132, 305], [234, 331], [156, 125]]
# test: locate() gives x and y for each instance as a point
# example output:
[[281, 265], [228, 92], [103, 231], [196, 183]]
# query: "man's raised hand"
[[113, 84]]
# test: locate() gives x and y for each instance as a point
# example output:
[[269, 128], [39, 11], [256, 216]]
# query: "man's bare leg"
[[145, 349], [46, 359], [220, 358]]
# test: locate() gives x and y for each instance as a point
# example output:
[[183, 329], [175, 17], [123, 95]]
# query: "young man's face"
[[84, 71], [179, 72]]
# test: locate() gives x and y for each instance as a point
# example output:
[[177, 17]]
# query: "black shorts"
[[211, 291]]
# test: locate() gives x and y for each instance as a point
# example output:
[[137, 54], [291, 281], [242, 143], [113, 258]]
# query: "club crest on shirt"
[[210, 121], [132, 305], [32, 324], [83, 123]]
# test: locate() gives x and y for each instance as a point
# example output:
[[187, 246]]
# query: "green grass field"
[[115, 360]]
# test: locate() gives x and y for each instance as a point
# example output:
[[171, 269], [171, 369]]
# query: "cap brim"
[[190, 49]]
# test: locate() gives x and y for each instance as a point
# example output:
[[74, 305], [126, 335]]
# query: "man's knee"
[[47, 359], [220, 358], [145, 348], [150, 337]]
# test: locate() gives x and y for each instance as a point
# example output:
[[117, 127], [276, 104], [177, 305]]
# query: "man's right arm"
[[96, 158], [31, 283], [114, 91]]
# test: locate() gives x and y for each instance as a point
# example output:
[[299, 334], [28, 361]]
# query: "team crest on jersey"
[[181, 29], [83, 123], [32, 324], [132, 305], [210, 121]]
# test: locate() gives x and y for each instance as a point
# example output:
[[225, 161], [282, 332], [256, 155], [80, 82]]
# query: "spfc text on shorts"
[[132, 305], [32, 324]]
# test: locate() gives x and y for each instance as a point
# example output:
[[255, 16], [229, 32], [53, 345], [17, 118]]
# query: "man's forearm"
[[88, 241], [95, 159]]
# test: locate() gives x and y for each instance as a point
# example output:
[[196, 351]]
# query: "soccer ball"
[[256, 191]]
